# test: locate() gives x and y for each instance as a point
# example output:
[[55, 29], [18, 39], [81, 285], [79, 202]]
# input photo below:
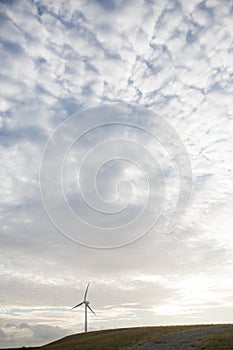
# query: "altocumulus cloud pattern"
[[174, 59], [121, 147]]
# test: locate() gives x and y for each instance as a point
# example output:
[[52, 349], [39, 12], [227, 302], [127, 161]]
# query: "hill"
[[129, 338]]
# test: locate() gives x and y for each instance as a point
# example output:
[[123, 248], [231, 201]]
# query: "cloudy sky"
[[173, 59]]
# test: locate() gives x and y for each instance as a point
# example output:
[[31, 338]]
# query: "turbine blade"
[[91, 309], [85, 295], [77, 305]]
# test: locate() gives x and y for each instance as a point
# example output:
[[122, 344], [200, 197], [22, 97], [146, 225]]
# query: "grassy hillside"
[[218, 341], [115, 339], [128, 338]]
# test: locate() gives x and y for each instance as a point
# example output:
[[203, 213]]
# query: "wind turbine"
[[86, 303]]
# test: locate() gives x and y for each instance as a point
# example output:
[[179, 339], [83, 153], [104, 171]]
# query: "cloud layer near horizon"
[[57, 58]]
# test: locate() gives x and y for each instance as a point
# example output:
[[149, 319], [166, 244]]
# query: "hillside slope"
[[115, 339], [118, 339]]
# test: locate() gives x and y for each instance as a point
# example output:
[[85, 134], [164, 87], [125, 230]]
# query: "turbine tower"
[[86, 303]]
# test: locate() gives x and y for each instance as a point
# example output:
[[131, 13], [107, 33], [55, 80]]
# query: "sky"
[[115, 165]]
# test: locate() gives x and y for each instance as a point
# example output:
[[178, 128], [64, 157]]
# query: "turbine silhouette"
[[87, 306]]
